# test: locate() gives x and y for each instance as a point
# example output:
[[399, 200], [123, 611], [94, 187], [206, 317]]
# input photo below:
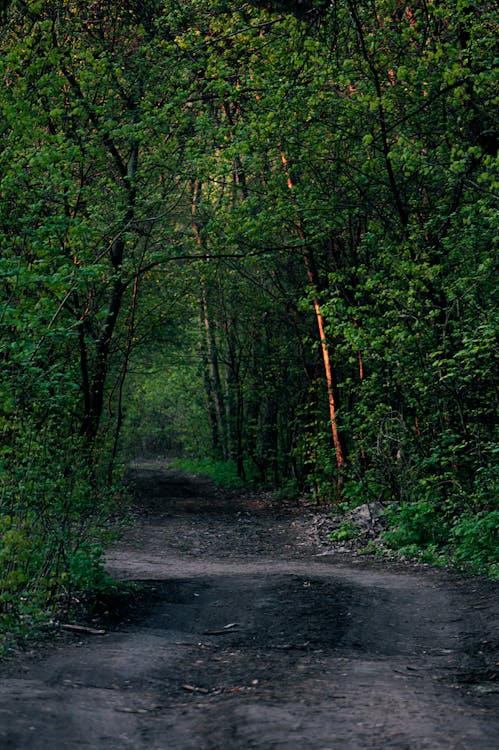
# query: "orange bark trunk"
[[326, 359]]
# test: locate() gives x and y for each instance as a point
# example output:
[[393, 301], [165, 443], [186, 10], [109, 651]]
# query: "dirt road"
[[246, 635]]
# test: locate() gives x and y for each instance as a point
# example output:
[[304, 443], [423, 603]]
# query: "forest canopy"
[[258, 232]]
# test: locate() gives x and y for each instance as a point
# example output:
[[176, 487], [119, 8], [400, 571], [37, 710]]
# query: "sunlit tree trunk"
[[326, 358]]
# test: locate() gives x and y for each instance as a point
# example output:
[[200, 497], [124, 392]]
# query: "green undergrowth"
[[430, 513], [223, 473], [471, 546], [468, 541], [467, 544], [56, 518], [346, 531], [456, 531]]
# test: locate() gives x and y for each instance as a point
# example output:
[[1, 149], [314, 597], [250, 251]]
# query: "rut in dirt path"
[[246, 635]]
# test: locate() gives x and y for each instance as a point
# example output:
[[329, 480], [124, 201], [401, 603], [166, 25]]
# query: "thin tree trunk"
[[124, 368], [216, 442], [235, 405], [213, 380], [326, 359], [214, 373]]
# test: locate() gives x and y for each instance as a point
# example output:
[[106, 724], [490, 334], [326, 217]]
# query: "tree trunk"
[[214, 390], [213, 381], [326, 359], [94, 399]]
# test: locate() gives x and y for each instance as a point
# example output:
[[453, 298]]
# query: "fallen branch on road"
[[81, 629]]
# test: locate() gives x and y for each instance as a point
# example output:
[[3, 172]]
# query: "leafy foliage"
[[295, 203], [223, 473]]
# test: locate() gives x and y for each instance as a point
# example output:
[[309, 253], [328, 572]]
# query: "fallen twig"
[[81, 629], [194, 689]]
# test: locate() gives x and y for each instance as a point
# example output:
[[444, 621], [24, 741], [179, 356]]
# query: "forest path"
[[246, 635]]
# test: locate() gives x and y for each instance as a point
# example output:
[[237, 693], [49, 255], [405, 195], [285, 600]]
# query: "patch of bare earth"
[[247, 633]]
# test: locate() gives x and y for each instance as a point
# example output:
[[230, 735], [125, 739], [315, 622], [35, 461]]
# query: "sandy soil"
[[247, 633]]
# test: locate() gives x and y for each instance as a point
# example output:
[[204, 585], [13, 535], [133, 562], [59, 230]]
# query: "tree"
[[89, 155]]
